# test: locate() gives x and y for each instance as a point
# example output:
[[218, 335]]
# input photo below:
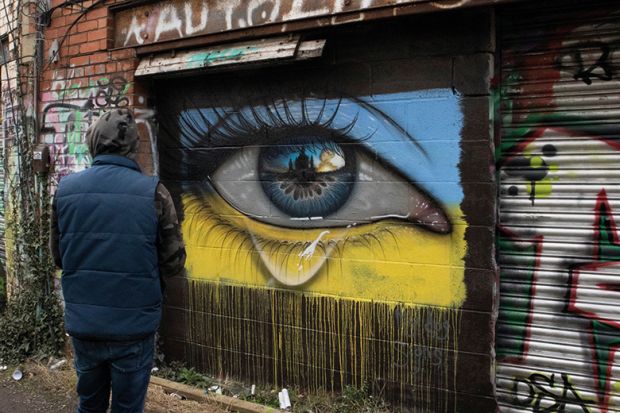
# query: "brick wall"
[[86, 80]]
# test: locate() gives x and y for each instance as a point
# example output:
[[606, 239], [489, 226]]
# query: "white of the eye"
[[378, 193], [238, 182]]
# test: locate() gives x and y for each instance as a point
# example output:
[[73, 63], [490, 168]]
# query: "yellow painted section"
[[389, 260]]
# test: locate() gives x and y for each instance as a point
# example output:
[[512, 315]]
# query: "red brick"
[[86, 26], [89, 47], [52, 34], [71, 50], [97, 13], [99, 69], [123, 54], [99, 58], [77, 38], [70, 19], [111, 67], [58, 21], [128, 65], [97, 34], [102, 23], [79, 61]]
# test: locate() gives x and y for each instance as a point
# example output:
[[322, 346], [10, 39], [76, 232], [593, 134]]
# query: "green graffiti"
[[75, 143], [208, 58]]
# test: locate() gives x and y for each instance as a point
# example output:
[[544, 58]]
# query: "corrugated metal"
[[558, 330]]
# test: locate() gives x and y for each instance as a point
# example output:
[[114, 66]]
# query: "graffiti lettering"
[[167, 20], [534, 169], [575, 62], [112, 92], [64, 124], [559, 249], [541, 393], [190, 29], [419, 356]]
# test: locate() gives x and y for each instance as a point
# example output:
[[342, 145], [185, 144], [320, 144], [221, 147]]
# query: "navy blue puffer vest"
[[108, 233]]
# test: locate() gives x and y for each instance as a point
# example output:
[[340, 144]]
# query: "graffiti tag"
[[546, 394], [577, 63], [409, 353]]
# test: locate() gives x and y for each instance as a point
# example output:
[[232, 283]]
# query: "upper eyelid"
[[250, 125]]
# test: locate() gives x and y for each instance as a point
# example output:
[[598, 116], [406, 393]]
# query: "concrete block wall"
[[359, 319]]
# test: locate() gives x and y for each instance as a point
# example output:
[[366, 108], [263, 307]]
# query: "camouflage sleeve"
[[55, 236], [170, 248]]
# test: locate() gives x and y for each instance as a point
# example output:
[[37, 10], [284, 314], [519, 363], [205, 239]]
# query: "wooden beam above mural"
[[175, 20], [253, 52]]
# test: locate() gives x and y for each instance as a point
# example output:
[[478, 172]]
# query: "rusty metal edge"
[[300, 25], [192, 393]]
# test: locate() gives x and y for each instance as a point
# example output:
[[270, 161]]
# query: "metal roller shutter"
[[558, 331]]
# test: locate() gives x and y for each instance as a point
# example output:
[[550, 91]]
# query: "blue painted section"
[[415, 133]]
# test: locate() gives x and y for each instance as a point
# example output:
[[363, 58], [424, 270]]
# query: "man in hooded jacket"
[[116, 236]]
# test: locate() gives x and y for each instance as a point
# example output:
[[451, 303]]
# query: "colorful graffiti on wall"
[[71, 107], [324, 236], [559, 328]]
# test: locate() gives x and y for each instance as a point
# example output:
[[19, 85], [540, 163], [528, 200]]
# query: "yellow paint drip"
[[273, 336], [375, 304]]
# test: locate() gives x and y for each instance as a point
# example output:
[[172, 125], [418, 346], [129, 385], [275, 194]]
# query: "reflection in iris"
[[309, 178]]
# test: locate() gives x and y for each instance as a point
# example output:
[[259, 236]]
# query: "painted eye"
[[312, 163], [317, 185]]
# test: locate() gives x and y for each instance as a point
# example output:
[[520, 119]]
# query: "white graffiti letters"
[[204, 14], [168, 21], [149, 23], [297, 11], [135, 30]]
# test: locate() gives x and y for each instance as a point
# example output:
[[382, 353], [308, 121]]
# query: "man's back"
[[108, 234], [115, 234]]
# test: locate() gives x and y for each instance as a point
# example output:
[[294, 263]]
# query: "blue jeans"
[[122, 367]]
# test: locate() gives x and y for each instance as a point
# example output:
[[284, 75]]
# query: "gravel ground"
[[24, 397], [44, 391]]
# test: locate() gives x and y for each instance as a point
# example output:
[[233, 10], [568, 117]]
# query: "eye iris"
[[308, 179]]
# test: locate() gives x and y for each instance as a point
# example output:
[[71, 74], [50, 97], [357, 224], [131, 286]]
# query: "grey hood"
[[114, 133]]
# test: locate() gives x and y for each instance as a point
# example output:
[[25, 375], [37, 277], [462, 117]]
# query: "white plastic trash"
[[17, 375], [281, 399], [287, 400]]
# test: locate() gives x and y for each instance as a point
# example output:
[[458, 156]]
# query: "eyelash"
[[368, 239], [235, 128]]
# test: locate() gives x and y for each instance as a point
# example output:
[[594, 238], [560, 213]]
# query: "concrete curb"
[[230, 403]]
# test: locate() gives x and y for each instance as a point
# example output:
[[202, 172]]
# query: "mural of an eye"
[[330, 195], [307, 190]]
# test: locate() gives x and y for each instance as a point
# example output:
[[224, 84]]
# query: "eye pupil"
[[310, 177]]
